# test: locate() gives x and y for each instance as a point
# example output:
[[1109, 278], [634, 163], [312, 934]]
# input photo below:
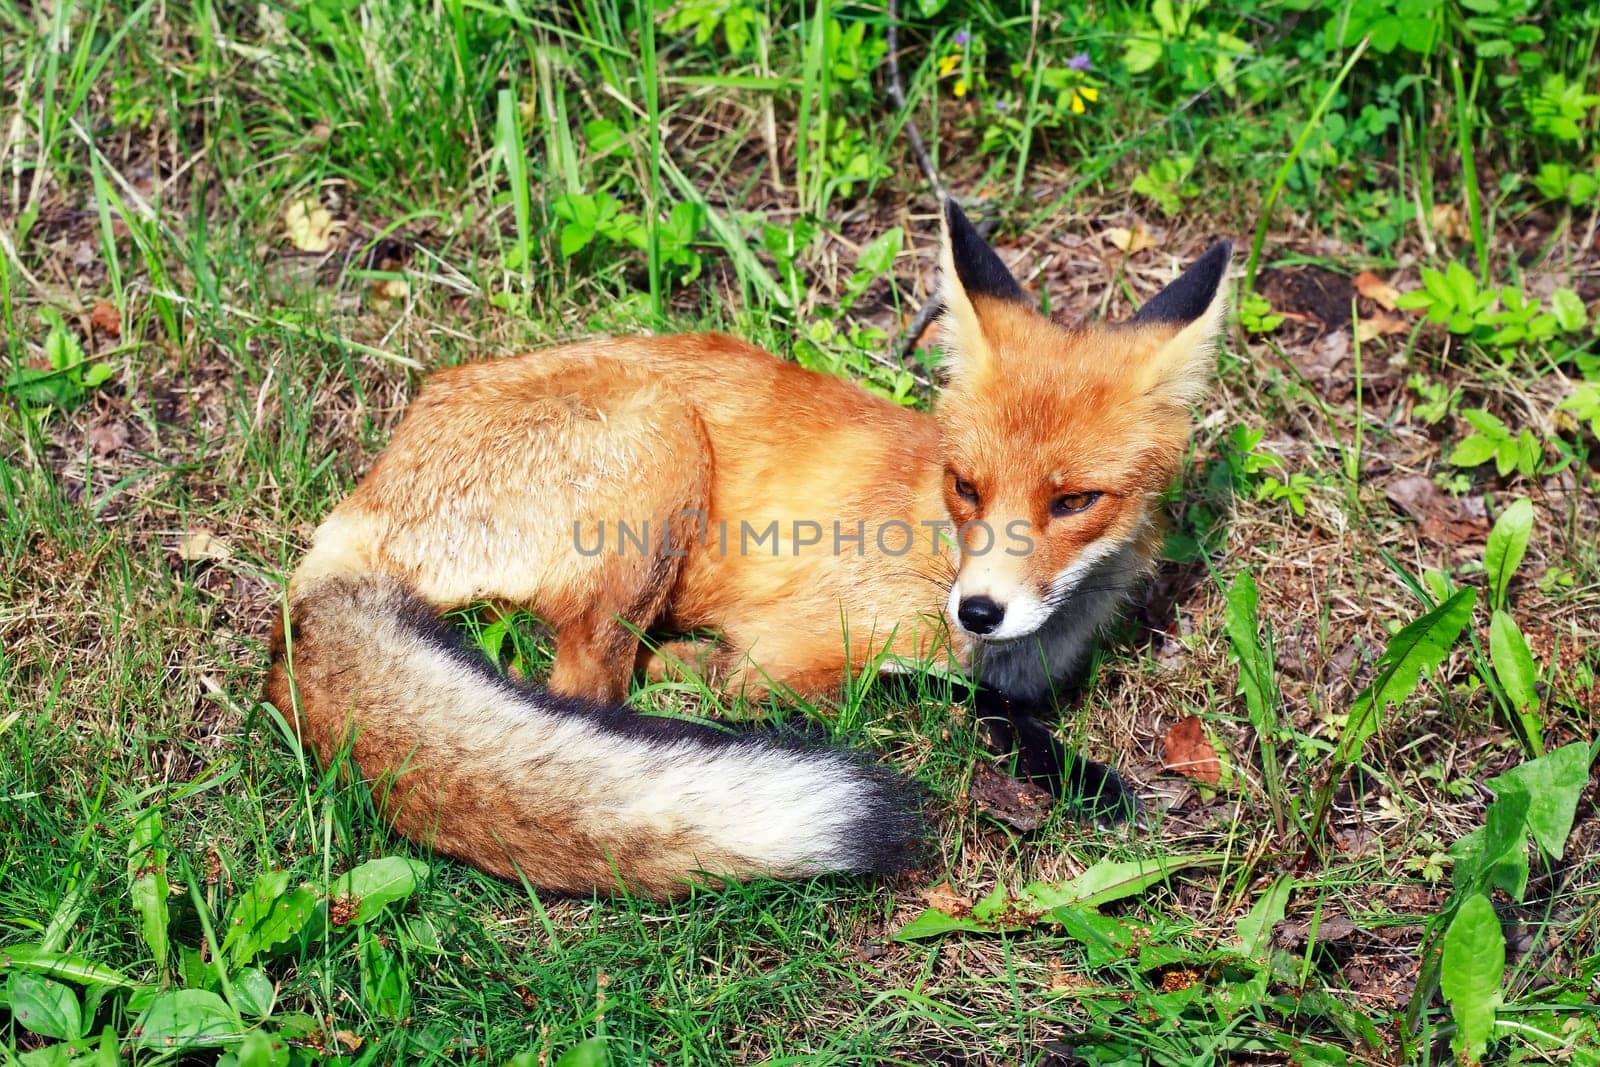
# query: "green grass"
[[736, 166]]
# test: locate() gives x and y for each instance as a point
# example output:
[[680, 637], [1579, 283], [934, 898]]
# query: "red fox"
[[696, 483]]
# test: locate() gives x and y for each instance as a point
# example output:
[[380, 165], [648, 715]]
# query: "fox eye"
[[1072, 503], [965, 489]]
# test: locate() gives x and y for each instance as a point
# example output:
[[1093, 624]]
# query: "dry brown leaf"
[[1328, 928], [310, 226], [1442, 519], [1323, 363], [1381, 324], [1179, 979], [943, 898], [1062, 981], [1454, 533], [1190, 754], [107, 437], [1448, 221], [1132, 240], [389, 292], [1377, 290], [200, 543], [1417, 496], [104, 318], [1018, 804]]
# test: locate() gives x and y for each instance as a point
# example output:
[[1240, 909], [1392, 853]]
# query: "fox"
[[785, 530]]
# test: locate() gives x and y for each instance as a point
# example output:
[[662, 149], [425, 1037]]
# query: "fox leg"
[[787, 663], [1092, 792], [593, 656], [597, 647], [685, 659], [725, 665]]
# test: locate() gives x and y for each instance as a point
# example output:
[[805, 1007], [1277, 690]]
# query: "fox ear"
[[1192, 308], [971, 274]]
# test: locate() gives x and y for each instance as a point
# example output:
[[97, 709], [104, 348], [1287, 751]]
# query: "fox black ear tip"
[[1188, 296]]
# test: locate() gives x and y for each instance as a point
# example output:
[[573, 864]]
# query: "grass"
[[736, 167]]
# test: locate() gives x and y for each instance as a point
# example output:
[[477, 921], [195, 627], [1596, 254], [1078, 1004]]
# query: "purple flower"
[[961, 37], [1079, 62]]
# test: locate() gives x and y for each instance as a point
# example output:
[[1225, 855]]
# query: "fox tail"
[[572, 796]]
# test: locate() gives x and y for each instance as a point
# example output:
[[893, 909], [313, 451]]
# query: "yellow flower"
[[960, 87], [1082, 96], [949, 63]]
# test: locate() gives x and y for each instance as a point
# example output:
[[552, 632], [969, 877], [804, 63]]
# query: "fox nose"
[[980, 615]]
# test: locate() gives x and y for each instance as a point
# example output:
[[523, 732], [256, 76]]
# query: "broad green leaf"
[[1141, 52], [1471, 451], [1419, 34], [384, 989], [251, 908], [590, 1053], [194, 970], [1161, 11], [58, 1055], [1111, 880], [1255, 669], [258, 1049], [186, 1018], [1529, 452], [1474, 962], [1438, 287], [1064, 902], [1495, 856], [60, 344], [65, 916], [1415, 300], [1553, 785], [1418, 648], [43, 1006], [575, 237], [683, 223], [878, 256], [1486, 422], [1462, 284], [1104, 939], [1514, 667], [254, 992], [1506, 455], [147, 877], [268, 914], [376, 884], [993, 907], [993, 913], [61, 965], [1508, 542], [1385, 36], [1255, 928], [935, 923]]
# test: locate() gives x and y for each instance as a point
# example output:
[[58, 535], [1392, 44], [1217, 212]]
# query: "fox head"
[[1059, 442]]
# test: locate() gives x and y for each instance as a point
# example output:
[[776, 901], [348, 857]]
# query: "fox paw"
[[1091, 792]]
